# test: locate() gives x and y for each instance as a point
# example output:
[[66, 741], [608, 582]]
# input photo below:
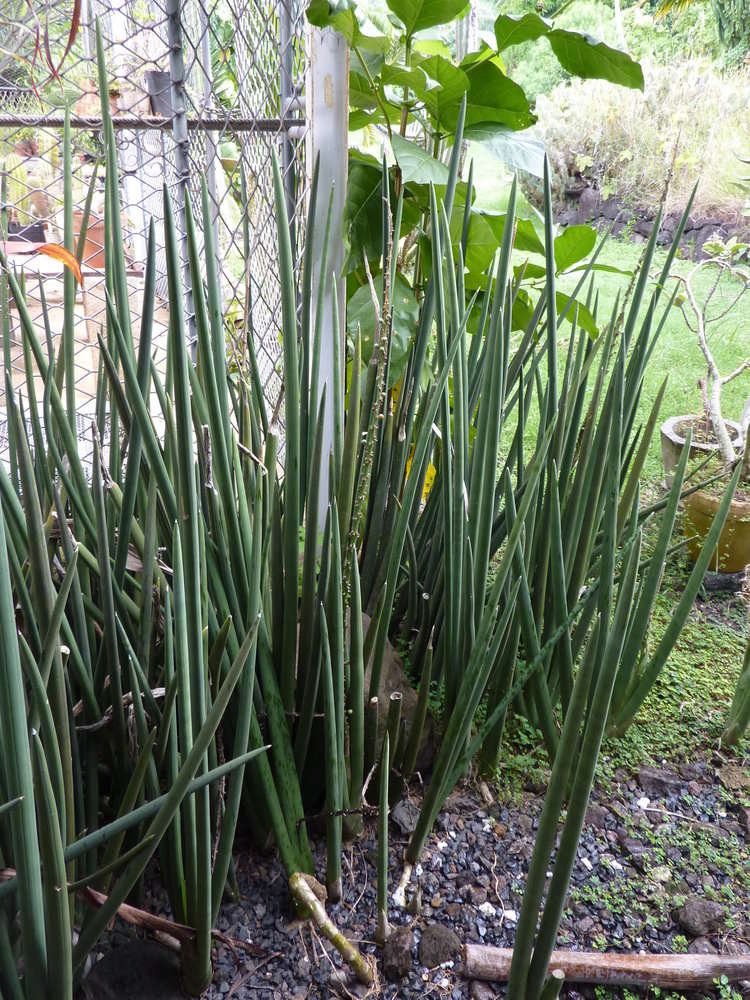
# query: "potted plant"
[[27, 200], [722, 441]]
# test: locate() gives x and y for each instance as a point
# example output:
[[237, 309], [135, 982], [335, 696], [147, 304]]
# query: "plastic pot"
[[31, 232], [159, 86]]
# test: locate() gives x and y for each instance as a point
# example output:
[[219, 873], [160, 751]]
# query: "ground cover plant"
[[189, 645]]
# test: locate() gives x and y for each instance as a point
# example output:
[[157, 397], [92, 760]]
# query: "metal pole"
[[287, 96], [294, 126], [181, 151], [328, 113], [211, 149]]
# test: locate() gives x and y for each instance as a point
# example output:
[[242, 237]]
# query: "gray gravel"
[[636, 867]]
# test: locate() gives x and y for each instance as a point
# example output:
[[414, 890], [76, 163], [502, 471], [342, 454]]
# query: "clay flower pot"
[[673, 433], [733, 551], [93, 249]]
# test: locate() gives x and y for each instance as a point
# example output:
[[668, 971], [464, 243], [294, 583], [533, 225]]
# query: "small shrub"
[[623, 141]]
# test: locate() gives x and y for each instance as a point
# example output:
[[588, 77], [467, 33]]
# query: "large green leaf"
[[416, 163], [361, 313], [586, 57], [493, 99], [447, 85], [402, 76], [514, 29], [431, 47], [364, 209], [585, 318], [575, 243], [486, 234], [579, 54], [342, 18], [361, 94], [517, 150], [416, 15], [482, 241]]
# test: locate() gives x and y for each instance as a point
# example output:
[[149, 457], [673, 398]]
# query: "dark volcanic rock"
[[700, 917], [588, 205], [611, 209], [139, 970], [702, 946], [637, 851], [596, 815], [438, 944], [655, 781], [481, 991], [397, 959], [405, 815]]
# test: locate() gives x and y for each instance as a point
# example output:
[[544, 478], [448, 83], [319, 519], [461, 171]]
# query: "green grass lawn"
[[696, 686], [677, 355]]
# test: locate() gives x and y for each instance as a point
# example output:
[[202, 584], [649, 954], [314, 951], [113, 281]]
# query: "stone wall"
[[585, 205]]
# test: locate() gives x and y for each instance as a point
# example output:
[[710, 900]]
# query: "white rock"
[[487, 909], [643, 803]]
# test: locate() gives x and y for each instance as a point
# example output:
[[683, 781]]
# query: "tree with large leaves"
[[414, 89]]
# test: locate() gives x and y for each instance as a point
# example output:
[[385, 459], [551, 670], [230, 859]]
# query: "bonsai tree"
[[727, 263]]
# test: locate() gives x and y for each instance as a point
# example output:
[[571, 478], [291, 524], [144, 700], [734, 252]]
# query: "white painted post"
[[328, 114]]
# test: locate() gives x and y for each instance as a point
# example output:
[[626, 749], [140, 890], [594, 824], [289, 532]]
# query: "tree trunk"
[[619, 26]]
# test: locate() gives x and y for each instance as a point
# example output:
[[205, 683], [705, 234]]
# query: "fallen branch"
[[181, 933], [312, 908], [672, 971], [140, 918]]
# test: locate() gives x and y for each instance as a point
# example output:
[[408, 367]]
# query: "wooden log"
[[670, 971]]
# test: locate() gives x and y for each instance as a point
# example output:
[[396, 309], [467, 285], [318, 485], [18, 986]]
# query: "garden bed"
[[663, 865]]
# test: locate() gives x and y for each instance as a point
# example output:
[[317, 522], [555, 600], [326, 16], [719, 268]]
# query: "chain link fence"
[[199, 89]]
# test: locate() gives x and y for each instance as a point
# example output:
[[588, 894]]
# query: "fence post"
[[287, 101], [212, 153], [328, 114], [181, 150]]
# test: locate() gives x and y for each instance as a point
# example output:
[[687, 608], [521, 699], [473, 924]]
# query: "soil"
[[702, 430], [663, 865]]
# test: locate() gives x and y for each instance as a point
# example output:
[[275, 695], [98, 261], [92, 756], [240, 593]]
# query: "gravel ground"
[[663, 865]]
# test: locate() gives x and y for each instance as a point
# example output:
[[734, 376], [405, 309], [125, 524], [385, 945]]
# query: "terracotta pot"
[[93, 249], [673, 433], [733, 551]]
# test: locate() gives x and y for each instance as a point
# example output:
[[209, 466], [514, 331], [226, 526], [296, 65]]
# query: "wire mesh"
[[199, 89]]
